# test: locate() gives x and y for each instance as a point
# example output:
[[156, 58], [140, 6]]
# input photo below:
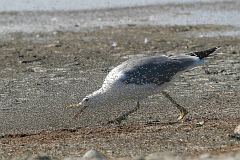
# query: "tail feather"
[[205, 53]]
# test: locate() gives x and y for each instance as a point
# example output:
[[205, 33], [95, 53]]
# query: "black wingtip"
[[205, 53]]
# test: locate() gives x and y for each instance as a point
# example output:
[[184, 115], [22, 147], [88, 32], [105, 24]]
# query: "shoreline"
[[200, 13], [107, 7]]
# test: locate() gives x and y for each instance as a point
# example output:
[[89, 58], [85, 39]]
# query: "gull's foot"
[[182, 115], [183, 111], [124, 116], [118, 120]]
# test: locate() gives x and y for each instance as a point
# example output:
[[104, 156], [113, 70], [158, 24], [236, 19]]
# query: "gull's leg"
[[183, 111], [124, 116]]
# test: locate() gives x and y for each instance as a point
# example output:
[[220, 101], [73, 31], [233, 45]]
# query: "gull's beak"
[[81, 111], [77, 105], [74, 105]]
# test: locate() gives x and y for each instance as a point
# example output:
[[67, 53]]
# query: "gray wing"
[[155, 69]]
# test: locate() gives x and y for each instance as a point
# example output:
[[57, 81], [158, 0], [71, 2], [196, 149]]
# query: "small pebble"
[[236, 133], [73, 158], [145, 41], [237, 130], [162, 156], [139, 158], [199, 124], [205, 156], [93, 155], [114, 44]]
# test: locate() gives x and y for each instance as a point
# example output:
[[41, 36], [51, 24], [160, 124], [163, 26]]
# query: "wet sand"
[[42, 72]]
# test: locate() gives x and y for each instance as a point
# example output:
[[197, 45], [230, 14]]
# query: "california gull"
[[140, 77]]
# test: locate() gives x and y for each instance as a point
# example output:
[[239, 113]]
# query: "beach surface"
[[51, 59]]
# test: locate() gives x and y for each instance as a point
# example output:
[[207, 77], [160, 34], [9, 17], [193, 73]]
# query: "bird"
[[140, 77]]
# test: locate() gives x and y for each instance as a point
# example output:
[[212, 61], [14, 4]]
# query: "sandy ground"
[[39, 78], [41, 73]]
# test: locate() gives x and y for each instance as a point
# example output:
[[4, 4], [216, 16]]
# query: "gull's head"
[[85, 101], [94, 99]]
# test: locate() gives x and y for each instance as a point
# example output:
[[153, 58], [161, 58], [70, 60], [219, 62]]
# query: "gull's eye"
[[86, 99]]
